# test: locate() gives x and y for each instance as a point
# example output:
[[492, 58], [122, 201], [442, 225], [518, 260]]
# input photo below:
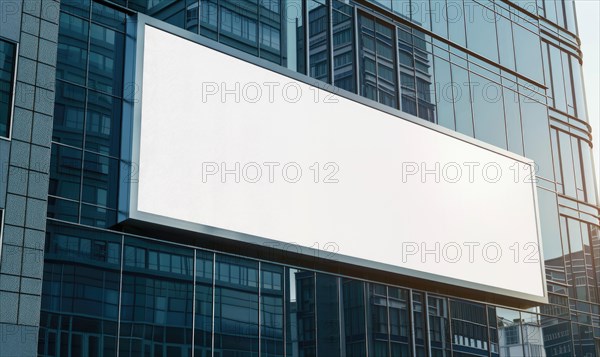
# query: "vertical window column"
[[378, 75]]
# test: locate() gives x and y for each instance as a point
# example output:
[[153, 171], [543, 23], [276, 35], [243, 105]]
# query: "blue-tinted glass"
[[406, 61], [156, 304], [65, 172], [377, 62], [97, 248], [536, 136], [100, 180], [98, 216], [236, 306], [204, 303], [89, 290], [421, 12], [528, 53], [385, 3], [557, 333], [443, 93], [570, 16], [456, 21], [182, 13], [582, 336], [589, 173], [558, 83], [547, 73], [145, 5], [103, 124], [318, 39], [69, 114], [550, 6], [108, 16], [238, 25], [554, 141], [419, 324], [576, 260], [580, 107], [294, 35], [106, 60], [63, 210], [566, 160], [377, 323], [270, 30], [368, 71], [439, 335], [469, 328], [488, 111], [481, 30], [551, 241], [424, 72], [192, 16], [271, 309], [577, 168], [72, 49], [589, 267], [462, 100], [566, 68], [300, 313], [77, 7], [7, 71], [328, 319], [505, 42], [439, 19], [512, 115], [353, 292], [343, 46], [208, 18], [399, 321], [402, 8]]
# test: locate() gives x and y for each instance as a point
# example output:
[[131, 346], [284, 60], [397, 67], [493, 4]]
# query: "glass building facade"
[[505, 72]]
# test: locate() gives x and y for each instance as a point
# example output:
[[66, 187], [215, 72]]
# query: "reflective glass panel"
[[7, 72]]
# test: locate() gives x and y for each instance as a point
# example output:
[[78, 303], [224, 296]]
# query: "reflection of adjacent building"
[[403, 80], [251, 26], [520, 338]]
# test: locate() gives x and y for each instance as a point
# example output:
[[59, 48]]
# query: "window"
[[8, 52], [377, 61], [512, 335], [528, 53]]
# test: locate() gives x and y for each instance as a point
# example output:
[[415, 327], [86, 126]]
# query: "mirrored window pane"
[[488, 111], [69, 114], [236, 306], [103, 124], [72, 49], [65, 172]]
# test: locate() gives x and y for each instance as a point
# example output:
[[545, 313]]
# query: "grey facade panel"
[[10, 11], [24, 170]]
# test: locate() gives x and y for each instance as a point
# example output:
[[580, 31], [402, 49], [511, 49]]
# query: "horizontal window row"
[[160, 305], [90, 54], [570, 251], [561, 13], [564, 79], [87, 119], [490, 29]]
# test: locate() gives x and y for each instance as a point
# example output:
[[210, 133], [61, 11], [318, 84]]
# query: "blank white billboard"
[[224, 146]]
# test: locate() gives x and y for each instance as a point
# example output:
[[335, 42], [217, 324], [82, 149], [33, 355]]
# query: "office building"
[[296, 178]]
